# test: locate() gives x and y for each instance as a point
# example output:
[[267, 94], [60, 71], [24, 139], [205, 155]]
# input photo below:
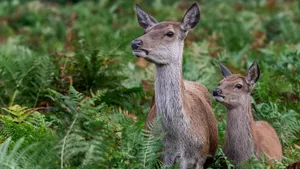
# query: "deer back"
[[266, 141]]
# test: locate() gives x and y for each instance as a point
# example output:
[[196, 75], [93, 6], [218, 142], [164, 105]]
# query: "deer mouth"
[[140, 52], [219, 98]]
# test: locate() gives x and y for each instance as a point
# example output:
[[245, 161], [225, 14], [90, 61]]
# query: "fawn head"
[[234, 89], [162, 42]]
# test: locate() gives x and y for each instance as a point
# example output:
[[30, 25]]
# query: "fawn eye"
[[238, 86], [170, 34]]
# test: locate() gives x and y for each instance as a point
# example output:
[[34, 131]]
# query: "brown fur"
[[266, 141], [242, 127], [185, 107], [196, 91]]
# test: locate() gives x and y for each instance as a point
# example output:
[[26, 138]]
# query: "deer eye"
[[238, 86], [170, 34]]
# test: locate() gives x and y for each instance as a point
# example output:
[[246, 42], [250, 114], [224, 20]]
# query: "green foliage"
[[13, 158], [221, 161], [97, 135], [261, 164], [151, 149], [20, 122], [93, 136], [86, 136], [23, 74], [91, 71], [47, 47]]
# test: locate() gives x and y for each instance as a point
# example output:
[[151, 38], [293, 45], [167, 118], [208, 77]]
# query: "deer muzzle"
[[217, 95], [136, 44]]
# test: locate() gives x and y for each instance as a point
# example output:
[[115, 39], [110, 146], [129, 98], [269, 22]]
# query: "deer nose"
[[217, 91], [135, 44]]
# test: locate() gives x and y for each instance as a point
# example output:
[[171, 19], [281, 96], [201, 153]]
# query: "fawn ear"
[[224, 70], [191, 18], [253, 73], [145, 20]]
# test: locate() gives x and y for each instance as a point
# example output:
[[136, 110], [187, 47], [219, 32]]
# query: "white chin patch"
[[139, 53], [219, 99]]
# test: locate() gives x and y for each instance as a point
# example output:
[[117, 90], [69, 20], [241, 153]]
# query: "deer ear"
[[253, 73], [145, 20], [191, 18], [224, 70]]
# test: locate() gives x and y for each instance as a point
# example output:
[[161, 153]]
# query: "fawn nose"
[[217, 91], [136, 44]]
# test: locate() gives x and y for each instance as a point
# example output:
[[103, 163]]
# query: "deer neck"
[[169, 95], [239, 144]]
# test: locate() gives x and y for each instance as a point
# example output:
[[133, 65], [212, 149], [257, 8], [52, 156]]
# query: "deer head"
[[234, 90], [162, 42]]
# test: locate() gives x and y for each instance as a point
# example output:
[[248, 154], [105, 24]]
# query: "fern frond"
[[25, 73], [15, 158], [151, 149]]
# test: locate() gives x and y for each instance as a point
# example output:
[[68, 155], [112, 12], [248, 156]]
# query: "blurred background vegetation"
[[72, 94]]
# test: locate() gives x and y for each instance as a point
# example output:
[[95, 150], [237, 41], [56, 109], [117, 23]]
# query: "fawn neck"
[[239, 145], [169, 92]]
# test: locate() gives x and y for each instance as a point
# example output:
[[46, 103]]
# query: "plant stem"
[[64, 142], [13, 97]]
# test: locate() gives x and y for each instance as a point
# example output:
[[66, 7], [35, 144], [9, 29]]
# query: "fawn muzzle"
[[217, 92], [136, 44], [137, 50], [217, 95]]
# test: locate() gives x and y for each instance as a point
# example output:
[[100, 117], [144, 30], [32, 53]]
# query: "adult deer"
[[185, 107], [245, 138]]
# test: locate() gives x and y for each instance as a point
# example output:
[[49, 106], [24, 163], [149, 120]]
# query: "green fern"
[[85, 44], [151, 150], [96, 135], [22, 122], [26, 73], [14, 158]]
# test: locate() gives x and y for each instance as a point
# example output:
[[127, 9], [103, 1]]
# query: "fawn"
[[185, 107], [244, 137]]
